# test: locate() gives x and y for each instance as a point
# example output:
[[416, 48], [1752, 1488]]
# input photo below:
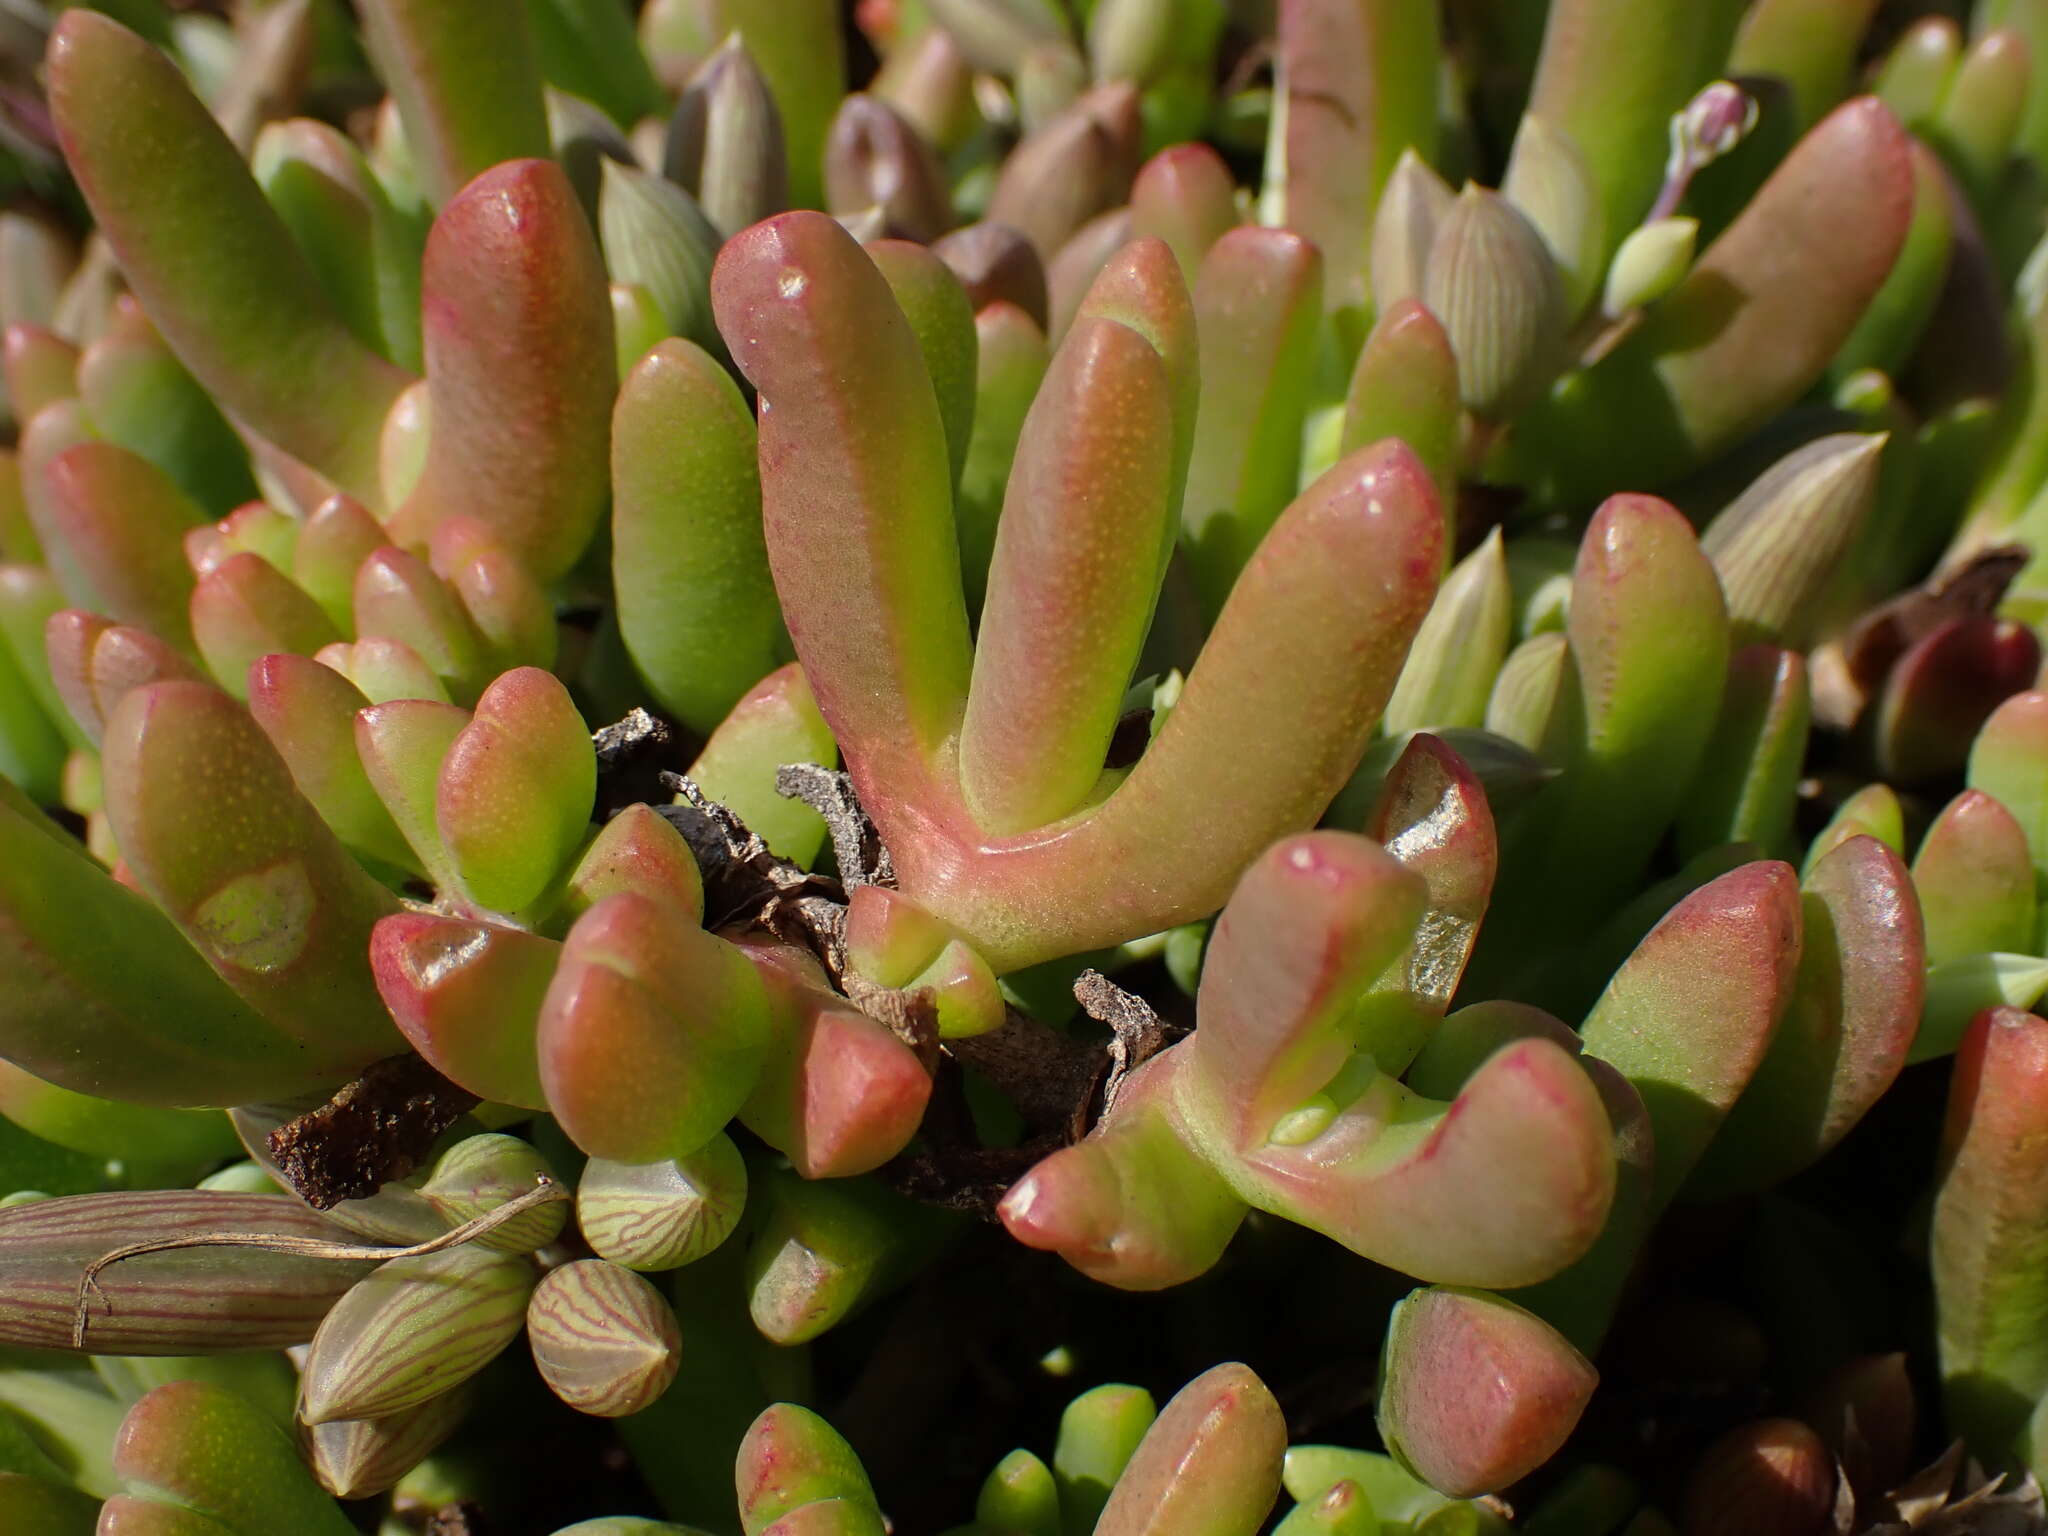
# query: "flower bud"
[[725, 144], [655, 235], [360, 1458], [1495, 286], [183, 1301], [1770, 1478], [411, 1331], [1415, 201], [931, 85], [662, 1215], [480, 1173], [1548, 179], [1458, 651], [875, 159], [996, 264], [1525, 694], [1780, 544], [1652, 261], [1074, 167], [603, 1339], [1708, 127]]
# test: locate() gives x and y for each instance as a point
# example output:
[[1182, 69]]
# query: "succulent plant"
[[784, 692]]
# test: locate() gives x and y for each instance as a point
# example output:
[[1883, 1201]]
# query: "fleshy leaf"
[[1071, 585], [1475, 1393], [518, 331], [1258, 300], [245, 609], [203, 1447], [1749, 330], [112, 525], [1975, 880], [775, 724], [402, 745], [211, 826], [695, 602], [1405, 385], [1748, 779], [1209, 1465], [651, 1035], [1361, 88], [1989, 1212], [308, 711], [638, 850], [466, 80], [467, 996], [514, 795], [792, 1458], [858, 530], [839, 1093], [211, 262], [1689, 1017], [91, 958]]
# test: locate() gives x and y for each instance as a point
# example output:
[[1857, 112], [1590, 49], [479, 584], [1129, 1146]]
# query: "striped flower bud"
[[411, 1331], [662, 1215], [360, 1458], [1498, 291], [604, 1340], [480, 1173]]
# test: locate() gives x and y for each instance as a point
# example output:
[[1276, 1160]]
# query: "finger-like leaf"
[[467, 996], [1690, 1015], [247, 869], [857, 519], [1989, 1214], [791, 1458], [217, 271], [466, 79], [515, 790], [1975, 880], [651, 1035], [1476, 1393], [201, 1446], [517, 332], [1209, 1465], [1361, 88], [696, 605], [1072, 581]]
